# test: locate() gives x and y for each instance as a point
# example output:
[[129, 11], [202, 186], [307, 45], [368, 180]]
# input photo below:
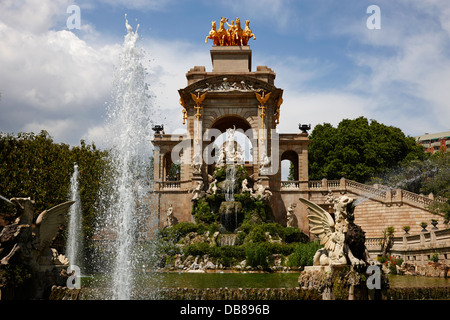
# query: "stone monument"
[[341, 265], [232, 97], [29, 267]]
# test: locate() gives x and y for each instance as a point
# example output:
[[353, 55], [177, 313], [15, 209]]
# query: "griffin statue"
[[342, 240], [25, 248]]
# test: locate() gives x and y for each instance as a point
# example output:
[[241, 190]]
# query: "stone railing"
[[173, 185], [415, 198], [378, 192], [365, 189], [290, 185], [374, 244], [416, 248]]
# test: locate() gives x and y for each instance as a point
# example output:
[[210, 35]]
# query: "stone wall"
[[246, 294], [380, 208], [374, 217], [181, 204], [63, 293]]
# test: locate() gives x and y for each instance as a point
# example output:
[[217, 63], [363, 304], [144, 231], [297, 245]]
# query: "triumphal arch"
[[236, 100], [236, 96]]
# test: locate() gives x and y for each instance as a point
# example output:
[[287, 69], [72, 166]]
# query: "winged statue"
[[198, 99], [263, 98], [49, 222], [25, 243], [333, 233]]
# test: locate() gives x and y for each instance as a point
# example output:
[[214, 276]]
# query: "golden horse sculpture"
[[234, 36]]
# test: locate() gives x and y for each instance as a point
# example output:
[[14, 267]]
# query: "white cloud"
[[167, 74], [319, 107], [405, 66], [56, 81], [167, 65], [60, 81], [32, 16], [54, 76]]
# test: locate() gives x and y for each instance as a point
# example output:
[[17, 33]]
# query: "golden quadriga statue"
[[233, 36]]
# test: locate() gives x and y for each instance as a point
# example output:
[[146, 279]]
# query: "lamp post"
[[158, 128], [304, 127]]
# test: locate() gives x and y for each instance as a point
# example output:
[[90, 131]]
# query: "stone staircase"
[[377, 192]]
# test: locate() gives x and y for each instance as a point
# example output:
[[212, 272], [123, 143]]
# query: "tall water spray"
[[74, 239], [129, 133]]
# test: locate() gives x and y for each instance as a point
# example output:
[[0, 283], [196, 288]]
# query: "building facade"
[[433, 142]]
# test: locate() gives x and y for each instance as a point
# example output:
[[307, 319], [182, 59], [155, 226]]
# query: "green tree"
[[439, 183], [358, 149], [92, 165], [33, 165], [291, 172], [428, 175]]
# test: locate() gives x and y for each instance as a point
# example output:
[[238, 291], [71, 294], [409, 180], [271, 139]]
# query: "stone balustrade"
[[378, 192], [173, 185], [416, 248], [290, 185]]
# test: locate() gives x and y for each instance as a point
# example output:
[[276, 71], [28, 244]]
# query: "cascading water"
[[230, 169], [123, 199], [74, 238], [230, 181]]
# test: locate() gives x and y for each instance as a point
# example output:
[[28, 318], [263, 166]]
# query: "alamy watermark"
[[74, 20], [74, 280], [374, 280], [374, 21]]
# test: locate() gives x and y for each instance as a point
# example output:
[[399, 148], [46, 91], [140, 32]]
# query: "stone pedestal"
[[341, 282], [231, 59]]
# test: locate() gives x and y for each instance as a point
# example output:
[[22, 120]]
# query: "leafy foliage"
[[439, 184], [203, 213], [358, 149], [180, 230], [428, 175], [303, 254], [257, 255]]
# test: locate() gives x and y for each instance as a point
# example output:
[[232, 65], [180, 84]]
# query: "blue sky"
[[330, 65]]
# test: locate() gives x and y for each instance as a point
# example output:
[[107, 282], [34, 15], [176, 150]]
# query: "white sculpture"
[[332, 233], [264, 164], [260, 191], [197, 163], [30, 246], [170, 219], [197, 190], [291, 218], [49, 222], [239, 155], [229, 145], [221, 159], [212, 189], [228, 153], [245, 187]]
